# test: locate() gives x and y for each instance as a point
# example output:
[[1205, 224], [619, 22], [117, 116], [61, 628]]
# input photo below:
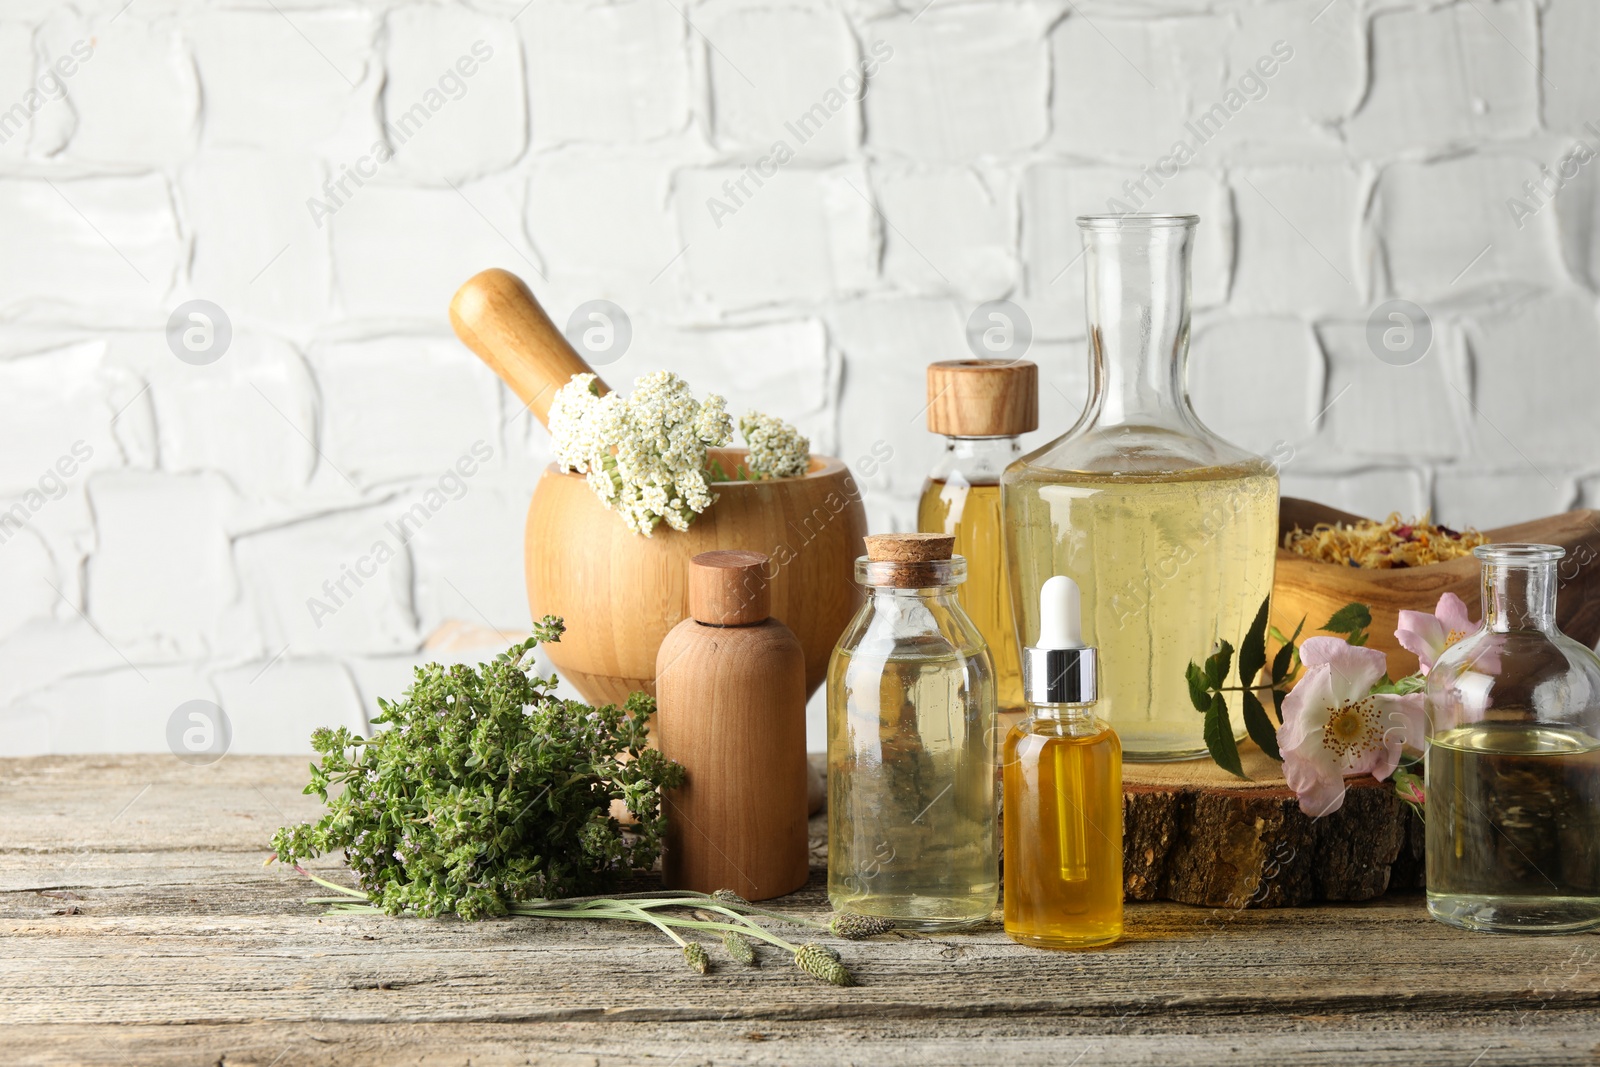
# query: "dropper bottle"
[[1062, 771]]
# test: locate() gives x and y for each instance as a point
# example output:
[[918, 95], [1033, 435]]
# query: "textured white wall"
[[178, 517]]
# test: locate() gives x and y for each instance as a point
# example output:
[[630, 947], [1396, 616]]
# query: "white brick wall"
[[167, 150]]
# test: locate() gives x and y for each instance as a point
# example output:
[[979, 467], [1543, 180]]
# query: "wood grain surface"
[[141, 927]]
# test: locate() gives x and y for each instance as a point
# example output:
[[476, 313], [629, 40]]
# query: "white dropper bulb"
[[1060, 614]]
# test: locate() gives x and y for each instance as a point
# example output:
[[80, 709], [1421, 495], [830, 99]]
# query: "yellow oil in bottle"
[[971, 512], [1168, 563], [1063, 832]]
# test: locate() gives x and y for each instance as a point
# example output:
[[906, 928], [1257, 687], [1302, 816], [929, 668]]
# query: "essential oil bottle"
[[981, 407], [1062, 769], [911, 746]]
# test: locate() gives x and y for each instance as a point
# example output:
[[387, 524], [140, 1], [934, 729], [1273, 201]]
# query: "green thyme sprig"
[[486, 790]]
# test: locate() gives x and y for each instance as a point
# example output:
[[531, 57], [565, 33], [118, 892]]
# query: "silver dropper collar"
[[1060, 675]]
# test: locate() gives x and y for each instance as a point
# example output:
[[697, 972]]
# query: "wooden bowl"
[[1302, 588], [620, 593]]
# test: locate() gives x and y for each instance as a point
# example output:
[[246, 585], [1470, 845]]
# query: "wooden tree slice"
[[1194, 833]]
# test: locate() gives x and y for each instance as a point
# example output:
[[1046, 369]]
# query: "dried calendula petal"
[[1384, 545]]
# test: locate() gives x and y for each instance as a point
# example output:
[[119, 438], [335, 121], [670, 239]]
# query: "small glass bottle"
[[1513, 763], [1062, 769], [1170, 530], [911, 790], [982, 407]]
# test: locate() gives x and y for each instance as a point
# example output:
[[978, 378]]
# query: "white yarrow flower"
[[777, 450], [644, 455]]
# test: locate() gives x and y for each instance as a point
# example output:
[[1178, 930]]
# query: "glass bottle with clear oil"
[[1062, 769], [982, 407], [911, 789], [1513, 763]]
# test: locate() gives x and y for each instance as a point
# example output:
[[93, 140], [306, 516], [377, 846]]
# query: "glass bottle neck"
[[1001, 449], [979, 460], [932, 592], [1137, 301], [1519, 596], [1068, 713]]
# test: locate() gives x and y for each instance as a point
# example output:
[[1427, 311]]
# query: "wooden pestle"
[[497, 316]]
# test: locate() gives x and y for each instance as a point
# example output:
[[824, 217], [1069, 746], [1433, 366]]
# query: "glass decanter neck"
[[1519, 586], [1137, 299]]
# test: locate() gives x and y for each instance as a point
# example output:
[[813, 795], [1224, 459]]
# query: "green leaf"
[[1259, 726], [1277, 704], [1253, 649], [1217, 664], [1351, 620], [1282, 663], [1353, 616], [1199, 691], [1219, 737]]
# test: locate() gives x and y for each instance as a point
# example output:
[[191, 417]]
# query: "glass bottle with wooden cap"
[[982, 407], [731, 694], [911, 780]]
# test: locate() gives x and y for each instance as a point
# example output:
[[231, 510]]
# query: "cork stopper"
[[729, 588], [983, 397], [909, 547], [910, 560]]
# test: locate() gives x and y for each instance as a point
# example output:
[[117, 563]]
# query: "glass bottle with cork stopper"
[[911, 710], [982, 407]]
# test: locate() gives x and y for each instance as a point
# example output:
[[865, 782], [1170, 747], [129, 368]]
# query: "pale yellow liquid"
[[1167, 564], [972, 514], [1514, 827], [911, 789], [1063, 834]]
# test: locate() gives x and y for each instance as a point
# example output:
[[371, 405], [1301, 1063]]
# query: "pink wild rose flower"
[[1429, 635], [1335, 726]]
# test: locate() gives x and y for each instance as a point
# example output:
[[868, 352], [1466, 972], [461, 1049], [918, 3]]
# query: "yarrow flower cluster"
[[644, 454], [777, 450]]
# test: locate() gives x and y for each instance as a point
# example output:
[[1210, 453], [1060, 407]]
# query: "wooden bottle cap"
[[729, 588], [983, 397], [910, 547]]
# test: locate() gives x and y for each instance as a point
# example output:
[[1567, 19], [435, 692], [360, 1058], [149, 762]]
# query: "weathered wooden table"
[[139, 926]]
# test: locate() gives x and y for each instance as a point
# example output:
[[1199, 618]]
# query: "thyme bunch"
[[486, 790]]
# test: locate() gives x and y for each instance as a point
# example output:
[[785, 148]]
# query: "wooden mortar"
[[620, 593]]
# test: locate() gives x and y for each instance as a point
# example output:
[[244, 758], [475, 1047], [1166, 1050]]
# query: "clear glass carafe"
[[1513, 763], [1169, 530], [911, 760]]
